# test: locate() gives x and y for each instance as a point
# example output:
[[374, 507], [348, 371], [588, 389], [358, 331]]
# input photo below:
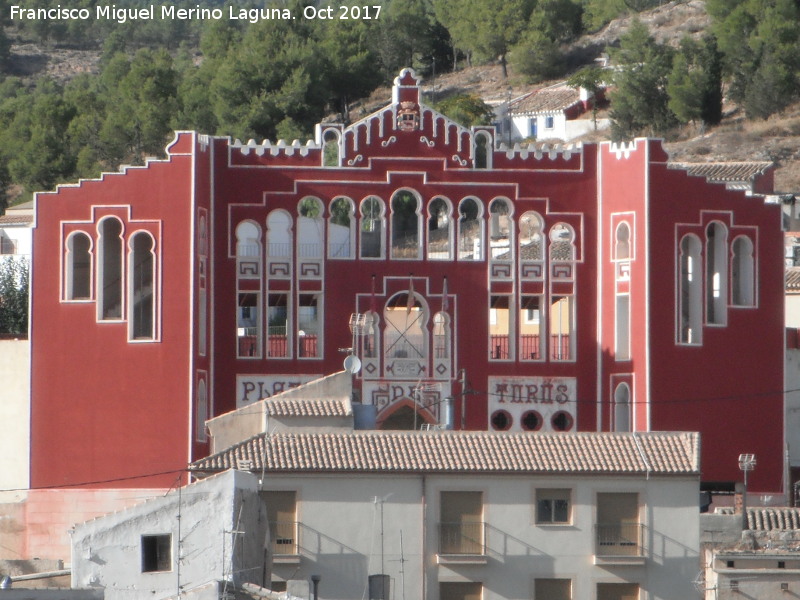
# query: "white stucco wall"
[[562, 129], [21, 236], [340, 535], [201, 518], [15, 396], [243, 423]]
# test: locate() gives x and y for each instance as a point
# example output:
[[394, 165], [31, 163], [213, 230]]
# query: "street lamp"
[[747, 462]]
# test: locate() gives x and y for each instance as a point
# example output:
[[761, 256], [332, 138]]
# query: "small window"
[[460, 591], [552, 589], [499, 328], [730, 564], [781, 564], [549, 122], [552, 506], [156, 553]]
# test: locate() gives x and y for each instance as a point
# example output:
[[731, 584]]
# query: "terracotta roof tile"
[[552, 99], [16, 220], [298, 407], [725, 171], [792, 282], [770, 519], [462, 452]]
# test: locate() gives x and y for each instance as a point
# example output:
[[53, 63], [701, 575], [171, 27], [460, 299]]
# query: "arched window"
[[530, 236], [109, 285], [248, 250], [500, 230], [248, 302], [405, 225], [310, 228], [406, 318], [372, 239], [142, 287], [201, 411], [482, 151], [622, 248], [622, 408], [690, 294], [440, 230], [470, 230], [742, 272], [562, 243], [78, 277], [341, 230], [330, 148], [716, 273], [279, 238], [441, 335]]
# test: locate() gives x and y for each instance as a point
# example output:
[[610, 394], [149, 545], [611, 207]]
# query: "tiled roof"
[[299, 407], [552, 99], [463, 452], [16, 220], [725, 171], [792, 283], [769, 519]]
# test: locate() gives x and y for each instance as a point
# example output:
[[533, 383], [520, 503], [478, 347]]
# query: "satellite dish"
[[352, 364]]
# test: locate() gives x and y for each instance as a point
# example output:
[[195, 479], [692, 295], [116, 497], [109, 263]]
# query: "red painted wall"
[[104, 409]]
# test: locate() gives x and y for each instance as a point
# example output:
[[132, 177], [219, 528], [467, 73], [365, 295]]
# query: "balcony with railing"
[[619, 543], [530, 347], [462, 542], [284, 542]]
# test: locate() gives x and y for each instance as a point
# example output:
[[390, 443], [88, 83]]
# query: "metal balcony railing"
[[619, 539], [462, 538]]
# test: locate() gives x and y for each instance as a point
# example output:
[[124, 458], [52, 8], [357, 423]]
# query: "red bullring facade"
[[591, 289]]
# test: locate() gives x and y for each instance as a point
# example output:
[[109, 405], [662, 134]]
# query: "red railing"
[[278, 346], [530, 349]]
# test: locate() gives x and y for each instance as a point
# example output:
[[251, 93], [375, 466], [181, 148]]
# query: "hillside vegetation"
[[81, 97]]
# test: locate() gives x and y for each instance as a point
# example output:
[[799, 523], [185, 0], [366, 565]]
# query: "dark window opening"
[[531, 421], [562, 421], [501, 420], [156, 553]]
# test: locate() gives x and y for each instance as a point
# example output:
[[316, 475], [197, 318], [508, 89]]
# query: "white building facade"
[[447, 515]]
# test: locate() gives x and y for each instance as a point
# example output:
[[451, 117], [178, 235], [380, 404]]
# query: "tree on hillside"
[[14, 283], [139, 108], [599, 12], [760, 42], [695, 82], [592, 79], [487, 29], [466, 109], [351, 69], [640, 103]]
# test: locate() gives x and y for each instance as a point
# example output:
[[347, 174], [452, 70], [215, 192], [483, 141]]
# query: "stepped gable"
[[408, 130]]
